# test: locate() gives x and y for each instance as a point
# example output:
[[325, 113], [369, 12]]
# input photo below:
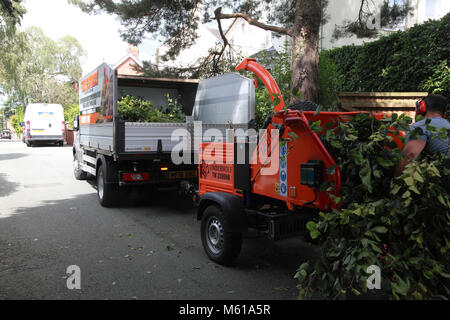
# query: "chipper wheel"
[[221, 246], [303, 106]]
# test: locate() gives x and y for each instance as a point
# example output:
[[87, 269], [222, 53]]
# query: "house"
[[127, 65]]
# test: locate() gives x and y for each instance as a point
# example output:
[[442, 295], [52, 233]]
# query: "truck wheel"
[[220, 246], [77, 172], [108, 194]]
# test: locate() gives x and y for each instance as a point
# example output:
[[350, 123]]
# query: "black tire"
[[108, 193], [220, 246], [304, 106], [77, 172], [60, 143], [300, 106]]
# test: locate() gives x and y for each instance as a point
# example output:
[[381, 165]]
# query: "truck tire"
[[77, 172], [220, 246], [304, 106], [108, 195]]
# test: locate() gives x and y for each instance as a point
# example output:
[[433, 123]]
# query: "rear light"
[[133, 177], [28, 126], [164, 168], [62, 126]]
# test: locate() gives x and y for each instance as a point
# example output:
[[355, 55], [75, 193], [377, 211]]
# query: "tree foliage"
[[46, 70], [12, 42], [398, 224], [178, 21], [36, 69]]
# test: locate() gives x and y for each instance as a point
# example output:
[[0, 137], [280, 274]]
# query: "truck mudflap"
[[232, 207]]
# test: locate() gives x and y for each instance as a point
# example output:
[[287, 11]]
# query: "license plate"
[[38, 130], [182, 174]]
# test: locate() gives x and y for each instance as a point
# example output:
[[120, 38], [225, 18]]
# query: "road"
[[49, 221]]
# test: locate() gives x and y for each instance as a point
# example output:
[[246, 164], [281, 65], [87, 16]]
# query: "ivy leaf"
[[311, 225], [336, 144], [384, 163], [409, 181], [380, 229], [365, 175]]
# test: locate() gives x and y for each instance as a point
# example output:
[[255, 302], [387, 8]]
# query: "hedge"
[[412, 60]]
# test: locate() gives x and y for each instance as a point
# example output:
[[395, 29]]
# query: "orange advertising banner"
[[90, 81], [89, 118]]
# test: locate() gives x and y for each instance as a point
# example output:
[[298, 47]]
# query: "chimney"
[[133, 50]]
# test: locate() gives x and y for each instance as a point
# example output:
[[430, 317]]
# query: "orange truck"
[[271, 185]]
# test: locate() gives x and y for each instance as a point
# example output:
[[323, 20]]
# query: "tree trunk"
[[305, 50]]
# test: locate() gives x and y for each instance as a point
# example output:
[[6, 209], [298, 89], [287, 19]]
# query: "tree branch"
[[222, 35], [219, 15]]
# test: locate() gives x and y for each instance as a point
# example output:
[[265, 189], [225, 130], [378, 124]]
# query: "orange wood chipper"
[[272, 184]]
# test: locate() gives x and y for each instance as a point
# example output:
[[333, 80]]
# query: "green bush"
[[69, 113], [174, 111], [399, 224], [439, 82], [403, 61], [132, 109], [329, 83], [17, 119]]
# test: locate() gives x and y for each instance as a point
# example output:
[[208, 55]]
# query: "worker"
[[433, 107]]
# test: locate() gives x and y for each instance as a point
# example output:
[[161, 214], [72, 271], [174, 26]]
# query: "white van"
[[44, 123]]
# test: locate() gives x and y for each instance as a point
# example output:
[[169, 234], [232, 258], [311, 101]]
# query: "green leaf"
[[336, 144], [380, 229], [311, 225], [365, 175], [409, 181], [395, 189], [356, 292], [385, 163]]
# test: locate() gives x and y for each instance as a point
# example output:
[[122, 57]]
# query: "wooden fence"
[[387, 102]]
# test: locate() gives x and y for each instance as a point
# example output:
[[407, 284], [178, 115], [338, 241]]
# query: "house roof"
[[137, 61]]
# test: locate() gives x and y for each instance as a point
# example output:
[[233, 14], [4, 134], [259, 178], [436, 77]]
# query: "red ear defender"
[[421, 107]]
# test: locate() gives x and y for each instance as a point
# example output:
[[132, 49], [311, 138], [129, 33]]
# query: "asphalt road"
[[49, 221]]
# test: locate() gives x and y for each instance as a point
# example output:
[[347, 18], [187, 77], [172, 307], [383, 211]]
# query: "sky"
[[98, 34]]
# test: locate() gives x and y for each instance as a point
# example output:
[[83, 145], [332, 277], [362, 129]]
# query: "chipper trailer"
[[271, 185]]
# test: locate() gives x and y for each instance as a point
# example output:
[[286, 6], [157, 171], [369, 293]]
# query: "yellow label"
[[277, 188]]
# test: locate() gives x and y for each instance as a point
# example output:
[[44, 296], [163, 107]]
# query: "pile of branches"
[[399, 224], [135, 109]]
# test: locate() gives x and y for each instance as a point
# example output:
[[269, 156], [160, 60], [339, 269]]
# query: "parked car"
[[6, 134], [43, 123]]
